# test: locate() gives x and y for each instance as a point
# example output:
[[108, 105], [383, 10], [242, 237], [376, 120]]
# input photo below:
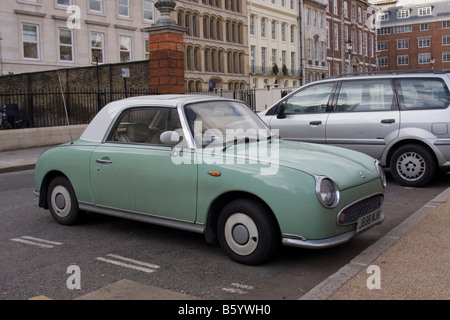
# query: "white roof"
[[99, 126]]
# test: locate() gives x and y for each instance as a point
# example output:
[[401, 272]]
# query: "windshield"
[[217, 123]]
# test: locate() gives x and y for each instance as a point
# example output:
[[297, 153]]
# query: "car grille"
[[359, 209]]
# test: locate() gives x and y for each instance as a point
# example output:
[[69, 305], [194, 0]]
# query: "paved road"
[[41, 258]]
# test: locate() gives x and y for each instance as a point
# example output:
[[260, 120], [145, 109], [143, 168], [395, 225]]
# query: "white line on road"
[[137, 265], [37, 242], [238, 288]]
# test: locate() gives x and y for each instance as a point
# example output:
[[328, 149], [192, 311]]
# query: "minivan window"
[[366, 95], [313, 99], [423, 93]]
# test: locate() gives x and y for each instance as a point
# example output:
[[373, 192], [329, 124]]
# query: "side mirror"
[[169, 138], [280, 111]]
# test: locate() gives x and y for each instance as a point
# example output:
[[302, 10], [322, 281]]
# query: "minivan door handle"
[[388, 121], [315, 123]]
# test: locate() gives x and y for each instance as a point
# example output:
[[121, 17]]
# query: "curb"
[[333, 283]]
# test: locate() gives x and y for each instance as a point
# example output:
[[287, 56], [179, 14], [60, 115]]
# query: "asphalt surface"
[[411, 262]]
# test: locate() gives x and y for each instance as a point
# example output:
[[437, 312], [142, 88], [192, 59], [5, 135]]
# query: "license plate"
[[367, 221]]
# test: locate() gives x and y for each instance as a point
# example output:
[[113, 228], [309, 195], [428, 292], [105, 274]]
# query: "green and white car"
[[210, 165]]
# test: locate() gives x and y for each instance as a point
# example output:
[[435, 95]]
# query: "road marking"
[[238, 288], [137, 265], [37, 242]]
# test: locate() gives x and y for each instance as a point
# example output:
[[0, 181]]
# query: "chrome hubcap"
[[411, 166]]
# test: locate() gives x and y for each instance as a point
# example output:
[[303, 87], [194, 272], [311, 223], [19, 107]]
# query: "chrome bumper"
[[301, 242]]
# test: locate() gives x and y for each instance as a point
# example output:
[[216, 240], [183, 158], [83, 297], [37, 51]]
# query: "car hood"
[[345, 167]]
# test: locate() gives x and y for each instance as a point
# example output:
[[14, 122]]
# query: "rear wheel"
[[413, 165], [248, 232], [62, 201]]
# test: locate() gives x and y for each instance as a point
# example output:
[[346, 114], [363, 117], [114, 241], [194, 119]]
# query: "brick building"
[[351, 36], [414, 36]]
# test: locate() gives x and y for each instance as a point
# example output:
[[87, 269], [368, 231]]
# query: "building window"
[[124, 8], [292, 34], [424, 58], [97, 47], [30, 38], [446, 56], [446, 24], [96, 5], [149, 10], [424, 42], [252, 25], [274, 30], [65, 45], [382, 45], [382, 61], [403, 29], [383, 16], [424, 27], [403, 60], [425, 11], [125, 48], [446, 40], [402, 44], [64, 3], [402, 14], [263, 27], [384, 30]]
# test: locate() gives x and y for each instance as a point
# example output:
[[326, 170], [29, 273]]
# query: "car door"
[[132, 171], [303, 115], [365, 118]]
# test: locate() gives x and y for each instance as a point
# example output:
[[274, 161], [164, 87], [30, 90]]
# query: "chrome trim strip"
[[442, 142], [325, 243], [141, 217]]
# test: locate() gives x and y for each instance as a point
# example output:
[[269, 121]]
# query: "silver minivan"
[[402, 119]]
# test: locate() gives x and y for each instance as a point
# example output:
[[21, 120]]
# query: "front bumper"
[[301, 242]]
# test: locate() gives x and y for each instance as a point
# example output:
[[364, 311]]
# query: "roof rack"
[[393, 72]]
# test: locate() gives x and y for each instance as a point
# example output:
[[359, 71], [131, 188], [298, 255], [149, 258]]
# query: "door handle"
[[388, 121], [103, 161], [315, 123]]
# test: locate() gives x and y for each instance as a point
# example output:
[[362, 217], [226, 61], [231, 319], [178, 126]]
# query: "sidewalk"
[[412, 260]]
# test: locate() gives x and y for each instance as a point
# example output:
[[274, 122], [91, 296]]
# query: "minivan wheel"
[[62, 201], [248, 232], [412, 165]]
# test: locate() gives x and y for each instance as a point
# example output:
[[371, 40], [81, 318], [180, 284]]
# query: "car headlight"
[[327, 192], [381, 172]]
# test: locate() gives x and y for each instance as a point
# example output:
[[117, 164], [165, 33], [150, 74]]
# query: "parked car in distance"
[[400, 118], [210, 165]]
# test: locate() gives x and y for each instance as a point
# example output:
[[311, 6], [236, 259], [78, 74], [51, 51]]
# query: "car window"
[[313, 99], [145, 125], [423, 93], [366, 95]]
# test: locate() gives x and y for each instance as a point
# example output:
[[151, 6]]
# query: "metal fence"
[[46, 108]]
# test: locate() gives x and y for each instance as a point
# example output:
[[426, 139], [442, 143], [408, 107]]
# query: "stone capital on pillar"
[[166, 47]]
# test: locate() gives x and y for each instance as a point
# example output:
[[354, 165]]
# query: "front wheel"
[[62, 201], [248, 232], [412, 165]]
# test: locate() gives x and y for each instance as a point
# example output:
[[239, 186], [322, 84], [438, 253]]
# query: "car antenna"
[[65, 108]]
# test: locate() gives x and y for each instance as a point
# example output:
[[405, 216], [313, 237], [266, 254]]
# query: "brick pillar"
[[166, 47]]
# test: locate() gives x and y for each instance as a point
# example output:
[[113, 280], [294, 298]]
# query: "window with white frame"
[[424, 27], [283, 32], [292, 34], [424, 11], [446, 40], [403, 29], [149, 10], [336, 37], [252, 25], [383, 15], [123, 7], [125, 48], [65, 45], [403, 13], [382, 61], [64, 3], [97, 47], [402, 44], [424, 58], [274, 30], [96, 5], [293, 63], [446, 24], [263, 27], [30, 41], [446, 56], [403, 60], [382, 45], [424, 42]]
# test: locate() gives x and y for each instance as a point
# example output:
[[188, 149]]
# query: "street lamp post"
[[432, 61], [349, 47]]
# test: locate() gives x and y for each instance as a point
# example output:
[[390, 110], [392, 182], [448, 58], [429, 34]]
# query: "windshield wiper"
[[234, 142]]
